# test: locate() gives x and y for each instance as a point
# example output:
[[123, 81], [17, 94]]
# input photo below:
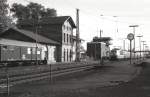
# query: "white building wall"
[[67, 32], [64, 58], [51, 54], [74, 52], [105, 50]]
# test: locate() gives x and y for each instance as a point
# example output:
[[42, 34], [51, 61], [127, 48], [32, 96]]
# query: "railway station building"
[[59, 29]]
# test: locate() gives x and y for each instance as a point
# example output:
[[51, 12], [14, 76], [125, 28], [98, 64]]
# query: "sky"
[[112, 16]]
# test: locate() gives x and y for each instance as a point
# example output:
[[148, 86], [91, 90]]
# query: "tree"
[[32, 11], [4, 20]]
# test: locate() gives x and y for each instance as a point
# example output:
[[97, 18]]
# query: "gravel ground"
[[111, 80]]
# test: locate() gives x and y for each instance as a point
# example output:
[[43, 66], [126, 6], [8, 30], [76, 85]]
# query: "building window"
[[38, 52], [33, 50], [67, 54], [64, 55], [64, 37], [70, 55], [63, 27], [70, 28], [70, 39], [4, 47], [67, 38], [28, 50], [11, 48]]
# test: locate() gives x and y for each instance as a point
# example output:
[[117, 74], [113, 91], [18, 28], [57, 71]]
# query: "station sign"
[[130, 36]]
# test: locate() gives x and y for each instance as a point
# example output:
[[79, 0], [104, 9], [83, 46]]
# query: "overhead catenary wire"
[[105, 16], [96, 17]]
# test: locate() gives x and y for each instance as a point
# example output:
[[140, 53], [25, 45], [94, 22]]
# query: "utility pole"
[[146, 50], [101, 60], [134, 26], [130, 52], [77, 37], [124, 48], [116, 23], [140, 44], [101, 31], [143, 48]]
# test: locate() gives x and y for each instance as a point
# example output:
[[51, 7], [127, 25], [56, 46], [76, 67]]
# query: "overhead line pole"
[[101, 60], [134, 26], [143, 48], [140, 44], [77, 37]]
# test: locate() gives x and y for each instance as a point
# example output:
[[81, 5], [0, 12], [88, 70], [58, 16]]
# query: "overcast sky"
[[126, 12]]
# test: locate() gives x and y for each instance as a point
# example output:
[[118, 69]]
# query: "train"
[[97, 50], [12, 55], [119, 54]]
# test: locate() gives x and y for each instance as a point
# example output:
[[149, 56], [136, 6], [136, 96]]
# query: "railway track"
[[18, 79]]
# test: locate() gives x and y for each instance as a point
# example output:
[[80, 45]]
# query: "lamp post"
[[144, 53], [123, 45], [116, 23], [101, 31], [143, 47], [134, 26], [140, 44], [146, 49]]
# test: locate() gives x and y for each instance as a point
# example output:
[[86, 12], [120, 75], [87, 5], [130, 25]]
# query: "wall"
[[67, 42], [74, 51], [51, 54]]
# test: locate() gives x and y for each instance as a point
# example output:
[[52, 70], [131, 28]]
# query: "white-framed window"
[[64, 27], [67, 38], [11, 48], [64, 37], [38, 52], [33, 50], [5, 47], [28, 50]]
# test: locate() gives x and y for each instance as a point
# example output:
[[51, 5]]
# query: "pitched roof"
[[102, 39], [75, 38], [34, 36], [50, 20]]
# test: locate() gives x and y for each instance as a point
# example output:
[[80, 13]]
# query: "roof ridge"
[[32, 35]]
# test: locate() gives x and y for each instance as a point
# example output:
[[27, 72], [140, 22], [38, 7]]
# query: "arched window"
[[67, 55], [64, 55], [64, 37], [71, 54]]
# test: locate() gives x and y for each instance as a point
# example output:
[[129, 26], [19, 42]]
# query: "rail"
[[18, 79]]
